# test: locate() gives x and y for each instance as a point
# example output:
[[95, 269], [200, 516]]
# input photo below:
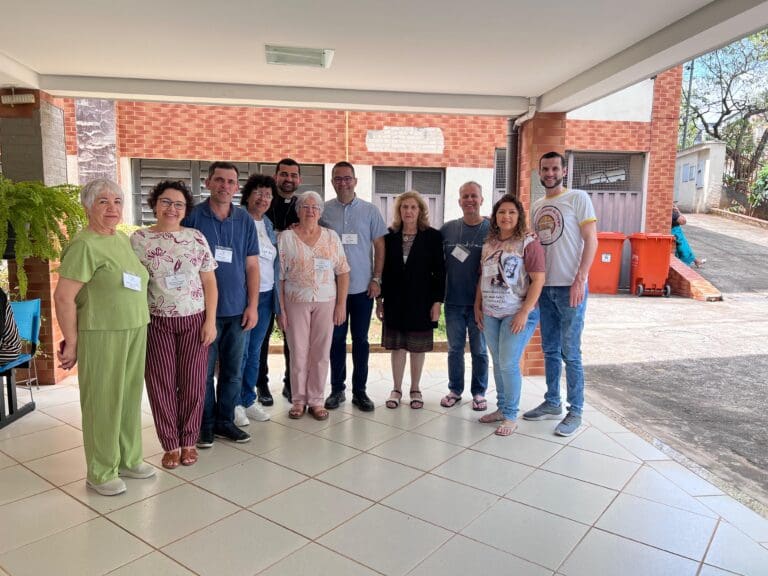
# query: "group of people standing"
[[189, 303], [503, 280]]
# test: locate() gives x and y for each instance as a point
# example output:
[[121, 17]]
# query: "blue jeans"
[[506, 350], [359, 308], [561, 327], [252, 349], [219, 408], [460, 320]]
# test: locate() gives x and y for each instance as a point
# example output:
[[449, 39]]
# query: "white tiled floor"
[[417, 492]]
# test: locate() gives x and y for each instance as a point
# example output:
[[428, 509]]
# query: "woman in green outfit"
[[101, 306]]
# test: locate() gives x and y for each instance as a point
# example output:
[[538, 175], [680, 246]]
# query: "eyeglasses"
[[165, 203], [344, 179], [262, 194], [310, 208]]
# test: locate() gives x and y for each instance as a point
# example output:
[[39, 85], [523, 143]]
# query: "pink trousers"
[[310, 331]]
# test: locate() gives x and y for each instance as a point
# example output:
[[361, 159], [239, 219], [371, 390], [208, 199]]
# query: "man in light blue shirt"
[[361, 228]]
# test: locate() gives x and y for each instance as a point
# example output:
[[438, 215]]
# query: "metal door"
[[615, 184], [389, 183]]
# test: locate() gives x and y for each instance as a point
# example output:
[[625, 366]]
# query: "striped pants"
[[175, 375]]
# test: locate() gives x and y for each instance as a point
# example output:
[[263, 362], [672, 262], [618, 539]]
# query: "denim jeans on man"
[[359, 309], [561, 327], [252, 350], [506, 350], [220, 404], [458, 321]]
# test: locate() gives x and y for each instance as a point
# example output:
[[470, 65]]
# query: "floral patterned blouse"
[[174, 261], [310, 272]]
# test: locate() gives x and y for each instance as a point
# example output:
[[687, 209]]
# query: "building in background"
[[618, 149]]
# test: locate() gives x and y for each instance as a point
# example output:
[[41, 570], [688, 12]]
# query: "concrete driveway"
[[694, 374]]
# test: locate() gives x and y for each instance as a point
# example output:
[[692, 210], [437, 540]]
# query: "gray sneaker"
[[569, 425], [544, 411]]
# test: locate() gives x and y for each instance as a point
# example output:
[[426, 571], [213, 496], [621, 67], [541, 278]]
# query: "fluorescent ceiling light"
[[13, 99], [297, 56]]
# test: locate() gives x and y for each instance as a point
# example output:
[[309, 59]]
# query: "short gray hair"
[[90, 191], [471, 183], [301, 199]]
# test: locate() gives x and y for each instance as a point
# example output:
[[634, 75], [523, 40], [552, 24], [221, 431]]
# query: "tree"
[[728, 101]]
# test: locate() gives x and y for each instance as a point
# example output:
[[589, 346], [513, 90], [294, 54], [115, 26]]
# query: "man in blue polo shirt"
[[361, 228], [232, 238]]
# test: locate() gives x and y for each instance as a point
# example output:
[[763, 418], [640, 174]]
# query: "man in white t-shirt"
[[565, 223]]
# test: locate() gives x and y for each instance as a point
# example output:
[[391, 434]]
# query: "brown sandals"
[[189, 456], [297, 411], [171, 460], [496, 416], [318, 412]]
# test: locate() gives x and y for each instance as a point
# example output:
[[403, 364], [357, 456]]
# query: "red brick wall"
[[657, 138], [470, 141], [603, 135], [70, 125], [195, 132], [545, 133], [663, 148]]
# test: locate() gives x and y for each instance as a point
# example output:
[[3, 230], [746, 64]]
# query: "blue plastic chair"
[[27, 316]]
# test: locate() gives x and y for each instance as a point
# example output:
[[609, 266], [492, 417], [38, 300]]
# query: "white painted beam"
[[281, 96], [16, 75], [706, 29]]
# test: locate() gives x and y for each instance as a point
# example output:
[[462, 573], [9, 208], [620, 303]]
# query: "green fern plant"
[[42, 218]]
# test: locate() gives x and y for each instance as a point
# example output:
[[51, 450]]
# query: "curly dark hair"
[[161, 187], [521, 227], [257, 181]]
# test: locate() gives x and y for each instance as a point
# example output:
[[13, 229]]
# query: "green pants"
[[111, 377]]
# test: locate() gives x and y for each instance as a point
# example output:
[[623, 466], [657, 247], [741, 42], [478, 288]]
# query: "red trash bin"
[[606, 267], [650, 264]]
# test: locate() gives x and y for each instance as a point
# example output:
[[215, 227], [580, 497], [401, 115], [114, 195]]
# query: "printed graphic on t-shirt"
[[548, 224]]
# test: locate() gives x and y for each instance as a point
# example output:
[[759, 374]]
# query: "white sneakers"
[[110, 488], [116, 485], [243, 416], [255, 412], [142, 471]]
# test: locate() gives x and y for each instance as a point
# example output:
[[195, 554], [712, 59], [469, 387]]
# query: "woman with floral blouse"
[[314, 279], [182, 307]]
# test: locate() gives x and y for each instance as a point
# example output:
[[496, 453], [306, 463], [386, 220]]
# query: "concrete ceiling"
[[479, 57]]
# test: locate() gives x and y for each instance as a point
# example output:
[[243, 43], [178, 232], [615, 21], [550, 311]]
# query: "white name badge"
[[322, 264], [460, 253], [490, 270], [223, 254], [349, 238], [175, 281], [131, 281]]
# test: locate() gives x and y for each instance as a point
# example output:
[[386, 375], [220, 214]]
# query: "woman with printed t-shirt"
[[182, 307], [512, 277], [314, 279], [101, 306], [257, 196]]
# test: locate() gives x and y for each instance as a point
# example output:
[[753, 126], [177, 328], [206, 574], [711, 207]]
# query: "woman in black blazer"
[[412, 289]]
